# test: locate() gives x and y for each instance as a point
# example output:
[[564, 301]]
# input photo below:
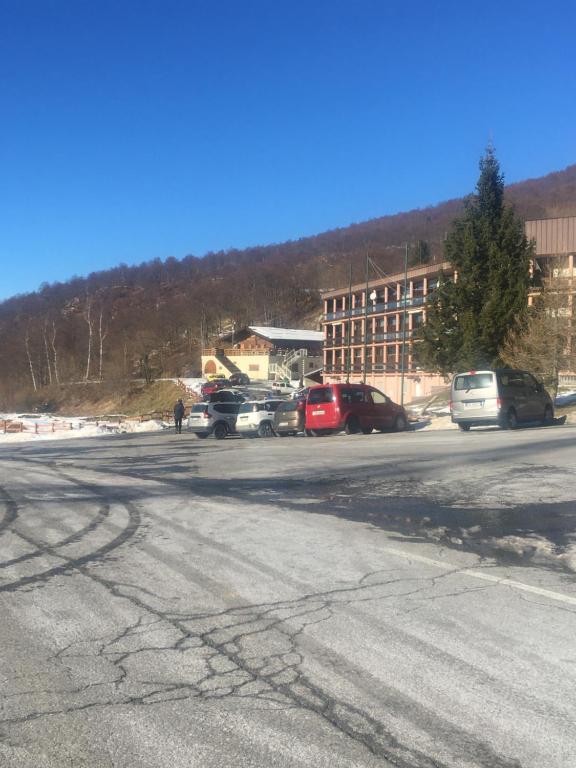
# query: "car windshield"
[[248, 407], [198, 408], [321, 395], [473, 381]]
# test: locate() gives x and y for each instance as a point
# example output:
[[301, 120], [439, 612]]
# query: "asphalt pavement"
[[358, 601]]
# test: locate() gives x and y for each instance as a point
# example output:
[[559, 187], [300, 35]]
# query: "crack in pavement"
[[248, 653]]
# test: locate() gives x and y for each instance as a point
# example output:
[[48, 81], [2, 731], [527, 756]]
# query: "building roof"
[[422, 270], [286, 334]]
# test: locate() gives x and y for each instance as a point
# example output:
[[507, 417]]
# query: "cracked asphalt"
[[358, 601]]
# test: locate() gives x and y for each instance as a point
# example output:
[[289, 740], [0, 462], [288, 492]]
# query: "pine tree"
[[468, 319]]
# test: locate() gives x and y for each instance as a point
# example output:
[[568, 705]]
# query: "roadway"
[[352, 601]]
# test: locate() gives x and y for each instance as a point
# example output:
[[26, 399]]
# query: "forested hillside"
[[151, 319]]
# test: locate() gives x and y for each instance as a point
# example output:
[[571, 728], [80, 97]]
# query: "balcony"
[[416, 301]]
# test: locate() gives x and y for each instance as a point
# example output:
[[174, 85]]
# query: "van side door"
[[536, 400], [384, 413]]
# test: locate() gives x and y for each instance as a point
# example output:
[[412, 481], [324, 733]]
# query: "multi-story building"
[[368, 327]]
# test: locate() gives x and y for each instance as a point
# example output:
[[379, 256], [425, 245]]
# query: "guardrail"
[[14, 426]]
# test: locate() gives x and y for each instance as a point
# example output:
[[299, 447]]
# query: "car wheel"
[[220, 431], [511, 420], [201, 435], [548, 416], [352, 426], [464, 427], [265, 429], [367, 430], [400, 424]]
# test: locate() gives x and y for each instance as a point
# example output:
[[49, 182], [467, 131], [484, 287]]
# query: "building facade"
[[265, 353], [368, 327], [369, 330]]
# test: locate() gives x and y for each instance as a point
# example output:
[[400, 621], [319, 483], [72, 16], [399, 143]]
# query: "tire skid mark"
[[11, 512], [71, 563], [43, 549], [222, 634]]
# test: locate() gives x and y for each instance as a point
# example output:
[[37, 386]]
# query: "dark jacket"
[[179, 410]]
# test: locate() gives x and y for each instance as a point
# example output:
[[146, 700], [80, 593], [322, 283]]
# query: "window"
[[473, 381], [322, 395], [352, 395], [378, 397], [226, 407]]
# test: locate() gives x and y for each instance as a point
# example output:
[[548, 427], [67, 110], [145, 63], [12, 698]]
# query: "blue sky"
[[137, 129]]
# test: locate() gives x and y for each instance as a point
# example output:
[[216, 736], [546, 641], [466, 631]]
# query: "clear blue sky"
[[136, 129]]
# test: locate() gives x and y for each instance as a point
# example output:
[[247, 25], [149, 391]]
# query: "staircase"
[[283, 370], [226, 362]]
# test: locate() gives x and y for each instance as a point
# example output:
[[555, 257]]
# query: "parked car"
[[256, 417], [352, 407], [239, 379], [225, 396], [282, 388], [505, 397], [218, 419], [213, 386], [290, 417]]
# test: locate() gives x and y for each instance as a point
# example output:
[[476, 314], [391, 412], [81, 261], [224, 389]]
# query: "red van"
[[352, 407]]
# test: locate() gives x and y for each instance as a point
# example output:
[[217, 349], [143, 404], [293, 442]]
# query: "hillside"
[[151, 319]]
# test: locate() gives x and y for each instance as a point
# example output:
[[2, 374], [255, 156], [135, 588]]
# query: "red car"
[[352, 407], [213, 386]]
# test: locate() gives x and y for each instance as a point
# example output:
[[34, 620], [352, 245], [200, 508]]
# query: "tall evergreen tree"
[[469, 318]]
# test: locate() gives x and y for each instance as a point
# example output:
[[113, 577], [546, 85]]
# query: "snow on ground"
[[48, 427]]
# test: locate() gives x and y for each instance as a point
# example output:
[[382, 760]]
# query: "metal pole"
[[404, 298], [349, 328], [365, 323]]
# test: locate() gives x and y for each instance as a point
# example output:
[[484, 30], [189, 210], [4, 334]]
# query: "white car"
[[255, 417], [281, 388]]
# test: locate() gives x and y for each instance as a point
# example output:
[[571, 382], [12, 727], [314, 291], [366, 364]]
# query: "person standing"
[[178, 416]]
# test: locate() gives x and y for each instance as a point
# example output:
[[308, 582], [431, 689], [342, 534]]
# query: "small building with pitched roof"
[[265, 353]]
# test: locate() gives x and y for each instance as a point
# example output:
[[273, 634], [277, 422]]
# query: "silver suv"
[[506, 397], [218, 419], [256, 417]]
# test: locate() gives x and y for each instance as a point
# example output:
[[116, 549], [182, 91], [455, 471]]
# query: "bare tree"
[[544, 344], [87, 314], [54, 353], [48, 364], [102, 334], [28, 355]]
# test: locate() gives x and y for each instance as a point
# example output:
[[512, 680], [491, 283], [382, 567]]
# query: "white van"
[[505, 397]]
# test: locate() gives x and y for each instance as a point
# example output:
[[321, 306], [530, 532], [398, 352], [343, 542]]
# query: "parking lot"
[[399, 599]]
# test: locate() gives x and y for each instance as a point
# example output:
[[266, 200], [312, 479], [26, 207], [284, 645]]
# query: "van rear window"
[[323, 395], [473, 381]]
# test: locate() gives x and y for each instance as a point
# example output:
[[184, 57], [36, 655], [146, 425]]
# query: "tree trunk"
[[88, 318], [54, 354], [47, 354], [27, 345], [102, 336]]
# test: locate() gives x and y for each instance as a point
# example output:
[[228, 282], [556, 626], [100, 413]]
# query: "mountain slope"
[[154, 317]]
